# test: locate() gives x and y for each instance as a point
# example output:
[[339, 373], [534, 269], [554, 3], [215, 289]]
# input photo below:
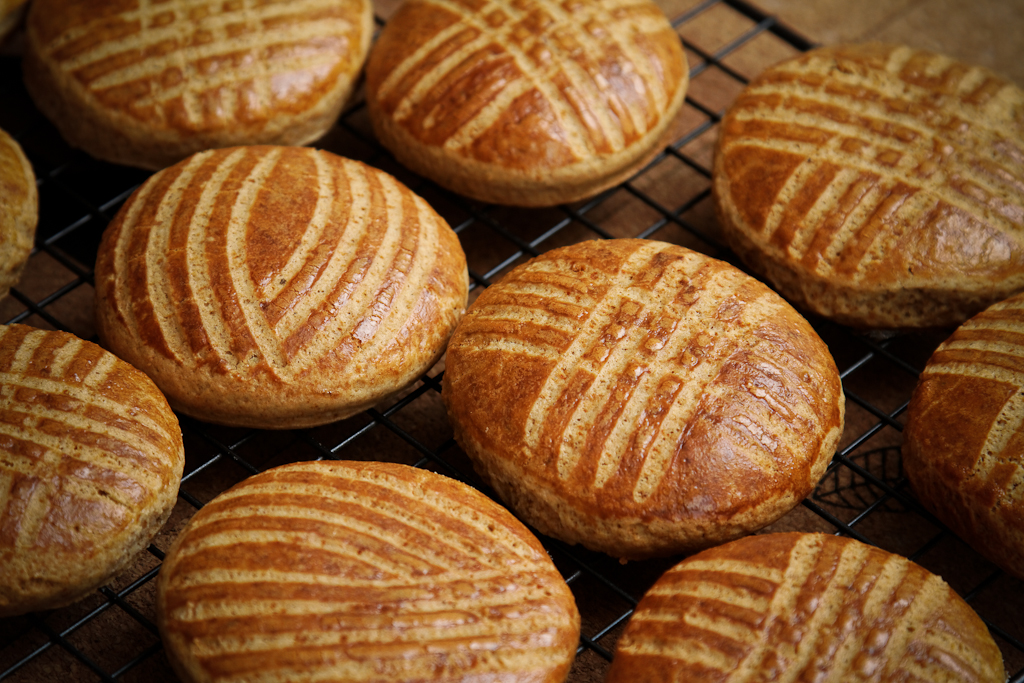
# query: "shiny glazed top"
[[276, 286], [362, 571], [881, 168]]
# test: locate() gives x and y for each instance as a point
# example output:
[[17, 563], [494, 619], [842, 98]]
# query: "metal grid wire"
[[111, 636]]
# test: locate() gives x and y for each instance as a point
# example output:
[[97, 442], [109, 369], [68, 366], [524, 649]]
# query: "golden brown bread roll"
[[147, 84], [803, 607], [19, 211], [278, 287], [640, 398], [876, 185], [362, 571], [90, 461], [530, 103], [963, 446]]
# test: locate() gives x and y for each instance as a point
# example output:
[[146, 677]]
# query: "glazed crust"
[[532, 103], [963, 447], [90, 461], [278, 287], [19, 212], [149, 85], [876, 185], [807, 607], [362, 571], [641, 399]]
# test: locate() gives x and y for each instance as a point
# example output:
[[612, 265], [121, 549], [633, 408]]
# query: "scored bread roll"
[[879, 186], [362, 571], [803, 607], [640, 398], [147, 84], [90, 461], [529, 103], [19, 212], [278, 287], [963, 446]]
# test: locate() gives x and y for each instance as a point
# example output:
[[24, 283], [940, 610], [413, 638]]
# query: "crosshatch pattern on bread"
[[963, 448], [278, 286], [640, 398], [89, 469], [877, 185], [529, 103], [806, 607], [19, 211], [362, 571], [147, 84]]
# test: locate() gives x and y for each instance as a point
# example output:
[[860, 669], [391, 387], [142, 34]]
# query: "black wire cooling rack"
[[112, 636]]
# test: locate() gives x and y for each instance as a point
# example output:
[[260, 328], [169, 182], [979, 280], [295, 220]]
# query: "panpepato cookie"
[[90, 461], [879, 186], [365, 571], [640, 398], [963, 447], [803, 607], [19, 212], [278, 287], [530, 103], [147, 84]]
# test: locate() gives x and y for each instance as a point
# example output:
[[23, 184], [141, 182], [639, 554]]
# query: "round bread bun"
[[90, 461], [362, 571], [963, 446], [19, 212], [147, 84], [803, 607], [878, 186], [530, 103], [641, 399], [278, 287]]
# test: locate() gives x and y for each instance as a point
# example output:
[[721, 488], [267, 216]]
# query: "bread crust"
[[808, 607], [91, 459], [640, 398], [876, 185], [533, 104], [19, 212], [278, 287], [963, 446], [362, 571], [147, 86]]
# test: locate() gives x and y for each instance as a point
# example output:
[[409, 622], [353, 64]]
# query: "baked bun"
[[878, 186], [963, 446], [278, 287], [362, 571], [19, 212], [803, 607], [147, 84], [90, 461], [528, 103], [641, 399]]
